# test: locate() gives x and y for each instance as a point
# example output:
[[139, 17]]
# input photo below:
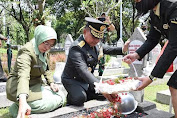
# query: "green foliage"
[[107, 58], [66, 25], [60, 7], [112, 9], [94, 8]]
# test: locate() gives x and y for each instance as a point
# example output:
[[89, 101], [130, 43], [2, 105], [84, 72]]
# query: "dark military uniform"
[[163, 23], [77, 76]]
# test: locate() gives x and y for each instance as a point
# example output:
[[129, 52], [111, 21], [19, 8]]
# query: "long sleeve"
[[152, 40], [112, 50], [168, 55], [77, 58], [24, 68]]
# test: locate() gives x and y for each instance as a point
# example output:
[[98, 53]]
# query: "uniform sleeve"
[[23, 68], [152, 40], [112, 50], [79, 62], [168, 55]]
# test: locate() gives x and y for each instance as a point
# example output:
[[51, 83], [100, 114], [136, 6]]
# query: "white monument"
[[68, 43], [136, 40], [152, 60], [136, 68], [58, 72], [118, 62]]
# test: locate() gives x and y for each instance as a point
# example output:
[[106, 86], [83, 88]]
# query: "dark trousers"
[[77, 95]]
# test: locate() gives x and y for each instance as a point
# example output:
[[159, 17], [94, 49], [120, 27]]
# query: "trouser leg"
[[76, 95], [13, 110], [49, 102], [174, 99]]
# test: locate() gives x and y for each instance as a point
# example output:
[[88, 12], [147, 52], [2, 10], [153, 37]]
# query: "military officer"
[[77, 77], [163, 20]]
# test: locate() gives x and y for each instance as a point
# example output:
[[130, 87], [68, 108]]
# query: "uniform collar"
[[157, 11]]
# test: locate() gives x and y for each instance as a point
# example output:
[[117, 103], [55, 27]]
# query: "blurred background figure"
[[105, 19], [2, 76]]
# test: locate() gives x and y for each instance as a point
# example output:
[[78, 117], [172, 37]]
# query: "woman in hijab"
[[25, 83]]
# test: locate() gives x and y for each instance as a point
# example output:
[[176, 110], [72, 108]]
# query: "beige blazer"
[[26, 75]]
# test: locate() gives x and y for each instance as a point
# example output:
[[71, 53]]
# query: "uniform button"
[[74, 77]]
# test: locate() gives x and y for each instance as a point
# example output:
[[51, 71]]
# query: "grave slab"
[[67, 112], [2, 87], [4, 101], [163, 96]]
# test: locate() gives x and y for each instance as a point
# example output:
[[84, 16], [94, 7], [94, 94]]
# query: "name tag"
[[37, 66]]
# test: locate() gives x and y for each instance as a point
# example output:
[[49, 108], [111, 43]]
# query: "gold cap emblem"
[[89, 69], [102, 27]]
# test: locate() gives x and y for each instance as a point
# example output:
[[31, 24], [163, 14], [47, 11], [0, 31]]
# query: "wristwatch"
[[152, 78]]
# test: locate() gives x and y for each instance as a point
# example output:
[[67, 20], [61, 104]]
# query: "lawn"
[[150, 95]]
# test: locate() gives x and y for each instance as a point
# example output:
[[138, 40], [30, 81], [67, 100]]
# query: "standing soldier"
[[111, 28]]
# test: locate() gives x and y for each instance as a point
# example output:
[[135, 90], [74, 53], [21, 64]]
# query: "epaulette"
[[81, 44]]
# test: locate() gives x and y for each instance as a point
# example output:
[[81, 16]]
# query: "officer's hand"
[[54, 87], [130, 58], [109, 97], [126, 45]]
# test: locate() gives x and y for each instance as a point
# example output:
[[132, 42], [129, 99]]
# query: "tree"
[[70, 18], [111, 7], [27, 13]]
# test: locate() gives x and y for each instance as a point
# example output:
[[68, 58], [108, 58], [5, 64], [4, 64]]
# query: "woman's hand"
[[145, 82], [24, 108], [54, 87]]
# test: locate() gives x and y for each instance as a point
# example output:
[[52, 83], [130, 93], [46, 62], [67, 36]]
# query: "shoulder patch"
[[81, 44]]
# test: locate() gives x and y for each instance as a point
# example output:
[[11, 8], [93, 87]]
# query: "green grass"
[[4, 113], [150, 95]]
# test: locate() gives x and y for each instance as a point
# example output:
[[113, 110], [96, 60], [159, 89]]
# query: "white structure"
[[58, 72], [68, 43]]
